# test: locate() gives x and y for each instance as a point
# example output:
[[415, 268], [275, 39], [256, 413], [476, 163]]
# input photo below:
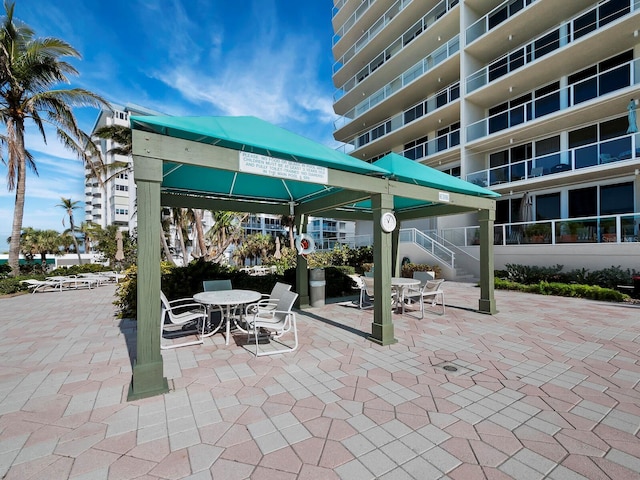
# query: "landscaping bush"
[[409, 268], [12, 285], [593, 292], [527, 275]]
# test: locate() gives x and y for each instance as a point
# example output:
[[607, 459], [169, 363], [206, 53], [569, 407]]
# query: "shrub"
[[11, 285], [409, 268], [593, 292]]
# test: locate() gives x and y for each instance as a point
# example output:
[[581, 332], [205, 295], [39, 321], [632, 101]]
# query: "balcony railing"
[[338, 5], [495, 17], [353, 18], [431, 104], [433, 146], [624, 228], [545, 44], [599, 153], [616, 78], [372, 31], [429, 244], [394, 48], [425, 65]]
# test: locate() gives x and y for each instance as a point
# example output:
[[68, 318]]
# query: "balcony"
[[608, 81], [401, 81], [567, 33], [600, 153], [394, 48], [431, 104], [433, 146], [607, 229], [494, 18], [353, 18]]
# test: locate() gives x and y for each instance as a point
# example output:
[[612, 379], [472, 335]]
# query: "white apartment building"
[[534, 99], [113, 201]]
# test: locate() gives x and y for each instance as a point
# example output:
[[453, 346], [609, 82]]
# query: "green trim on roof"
[[254, 135], [411, 171]]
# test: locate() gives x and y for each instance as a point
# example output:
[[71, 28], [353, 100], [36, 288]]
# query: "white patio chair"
[[269, 301], [430, 290], [177, 314], [276, 323], [367, 295], [216, 285]]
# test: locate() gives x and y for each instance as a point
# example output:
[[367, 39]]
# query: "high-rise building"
[[112, 200], [534, 99]]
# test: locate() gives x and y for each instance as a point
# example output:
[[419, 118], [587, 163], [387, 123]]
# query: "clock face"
[[388, 222]]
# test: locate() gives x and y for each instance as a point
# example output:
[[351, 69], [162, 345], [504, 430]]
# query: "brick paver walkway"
[[547, 388]]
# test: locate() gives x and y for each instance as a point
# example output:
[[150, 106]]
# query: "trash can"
[[317, 285], [636, 286]]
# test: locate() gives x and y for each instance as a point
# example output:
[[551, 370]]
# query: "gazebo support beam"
[[382, 327], [487, 302], [148, 379], [302, 272]]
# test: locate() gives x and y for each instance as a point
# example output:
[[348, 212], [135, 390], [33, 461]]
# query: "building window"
[[548, 206], [616, 199], [583, 202], [122, 188]]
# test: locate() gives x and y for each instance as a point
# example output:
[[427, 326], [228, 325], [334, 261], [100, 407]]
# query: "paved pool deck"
[[547, 388]]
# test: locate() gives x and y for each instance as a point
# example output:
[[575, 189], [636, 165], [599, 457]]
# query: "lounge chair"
[[42, 285], [216, 285]]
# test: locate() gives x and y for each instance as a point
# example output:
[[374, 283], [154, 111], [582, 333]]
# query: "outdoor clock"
[[388, 222]]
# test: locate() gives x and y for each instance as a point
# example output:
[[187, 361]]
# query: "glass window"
[[497, 120], [613, 128], [498, 17], [615, 199], [521, 152], [583, 202], [547, 99], [498, 69], [502, 211], [584, 24], [548, 206], [583, 136], [548, 145], [499, 158], [547, 44], [611, 10]]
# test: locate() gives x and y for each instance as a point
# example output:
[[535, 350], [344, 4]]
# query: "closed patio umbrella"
[[119, 247]]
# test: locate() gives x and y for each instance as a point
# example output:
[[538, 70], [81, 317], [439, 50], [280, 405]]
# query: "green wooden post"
[[382, 326], [302, 272], [396, 266], [487, 303], [148, 379]]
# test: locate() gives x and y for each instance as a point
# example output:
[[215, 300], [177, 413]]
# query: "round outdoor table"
[[400, 283], [227, 299]]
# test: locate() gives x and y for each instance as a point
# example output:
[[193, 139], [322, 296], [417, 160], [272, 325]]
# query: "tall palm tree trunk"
[[17, 152]]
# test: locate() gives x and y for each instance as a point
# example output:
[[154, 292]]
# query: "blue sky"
[[267, 58]]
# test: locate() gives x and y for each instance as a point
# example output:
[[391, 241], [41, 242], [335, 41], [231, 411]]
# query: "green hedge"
[[593, 292], [182, 282]]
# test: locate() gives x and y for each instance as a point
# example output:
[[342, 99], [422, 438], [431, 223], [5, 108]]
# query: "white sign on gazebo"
[[276, 167]]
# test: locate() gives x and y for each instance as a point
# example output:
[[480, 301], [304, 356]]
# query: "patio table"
[[227, 299], [399, 284]]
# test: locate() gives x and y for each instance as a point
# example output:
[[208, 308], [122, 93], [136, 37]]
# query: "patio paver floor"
[[547, 388]]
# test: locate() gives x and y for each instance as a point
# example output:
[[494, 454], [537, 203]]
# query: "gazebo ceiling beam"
[[222, 204], [330, 202]]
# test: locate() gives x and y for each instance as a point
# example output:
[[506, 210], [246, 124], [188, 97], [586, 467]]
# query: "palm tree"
[[227, 229], [289, 222], [122, 138], [69, 206], [39, 242], [30, 68]]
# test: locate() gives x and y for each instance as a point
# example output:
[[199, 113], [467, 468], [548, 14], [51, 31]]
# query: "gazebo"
[[246, 164]]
